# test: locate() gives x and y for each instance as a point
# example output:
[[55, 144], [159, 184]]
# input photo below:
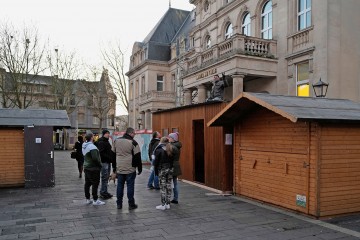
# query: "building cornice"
[[300, 53], [144, 64]]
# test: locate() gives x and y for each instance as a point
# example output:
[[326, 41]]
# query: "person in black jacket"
[[79, 155], [163, 164], [152, 145], [106, 159]]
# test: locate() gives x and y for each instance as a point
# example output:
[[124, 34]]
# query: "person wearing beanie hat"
[[107, 156], [174, 140], [105, 131], [174, 136]]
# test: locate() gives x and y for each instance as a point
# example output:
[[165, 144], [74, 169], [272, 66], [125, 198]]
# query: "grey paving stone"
[[25, 222], [62, 214], [9, 237], [138, 235], [17, 229]]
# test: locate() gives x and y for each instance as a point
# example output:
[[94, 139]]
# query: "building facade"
[[272, 46], [90, 105]]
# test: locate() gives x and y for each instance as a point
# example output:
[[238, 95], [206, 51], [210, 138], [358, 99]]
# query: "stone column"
[[238, 84], [148, 119], [187, 96], [201, 93]]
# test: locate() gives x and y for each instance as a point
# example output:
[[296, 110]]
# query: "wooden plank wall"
[[340, 169], [213, 139], [269, 160], [314, 170], [12, 158]]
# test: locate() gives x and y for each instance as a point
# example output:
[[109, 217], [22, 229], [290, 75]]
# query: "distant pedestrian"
[[153, 182], [92, 167], [164, 169], [106, 155], [174, 140], [79, 155], [128, 158]]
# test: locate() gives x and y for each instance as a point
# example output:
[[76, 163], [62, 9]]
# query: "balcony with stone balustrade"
[[238, 44], [301, 41]]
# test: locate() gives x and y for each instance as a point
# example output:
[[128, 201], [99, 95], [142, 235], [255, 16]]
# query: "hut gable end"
[[290, 107]]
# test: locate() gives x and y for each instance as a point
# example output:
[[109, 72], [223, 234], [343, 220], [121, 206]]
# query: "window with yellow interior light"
[[302, 79]]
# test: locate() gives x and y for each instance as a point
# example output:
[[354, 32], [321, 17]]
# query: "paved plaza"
[[61, 213]]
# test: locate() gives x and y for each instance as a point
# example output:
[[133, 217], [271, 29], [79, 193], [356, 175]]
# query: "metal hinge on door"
[[305, 165]]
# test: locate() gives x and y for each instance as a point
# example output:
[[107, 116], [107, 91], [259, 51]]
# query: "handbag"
[[73, 155]]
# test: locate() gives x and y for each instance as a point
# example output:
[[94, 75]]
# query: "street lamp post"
[[320, 88], [139, 121]]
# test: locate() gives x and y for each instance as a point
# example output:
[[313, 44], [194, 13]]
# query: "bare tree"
[[21, 55], [102, 98], [114, 62], [64, 92]]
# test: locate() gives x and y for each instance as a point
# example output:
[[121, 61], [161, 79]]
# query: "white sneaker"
[[167, 206], [161, 207], [89, 201], [98, 202]]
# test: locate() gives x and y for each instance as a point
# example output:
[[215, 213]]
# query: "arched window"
[[207, 42], [266, 21], [228, 31], [246, 25]]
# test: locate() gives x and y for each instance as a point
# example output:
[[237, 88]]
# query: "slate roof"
[[186, 27], [158, 41], [293, 108], [165, 30], [37, 117]]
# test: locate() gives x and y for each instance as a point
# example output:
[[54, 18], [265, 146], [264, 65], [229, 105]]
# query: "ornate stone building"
[[90, 105], [274, 46]]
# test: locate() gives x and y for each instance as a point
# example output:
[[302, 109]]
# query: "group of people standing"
[[124, 157]]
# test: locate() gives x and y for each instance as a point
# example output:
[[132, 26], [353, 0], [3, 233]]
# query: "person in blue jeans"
[[153, 182], [128, 159], [174, 140]]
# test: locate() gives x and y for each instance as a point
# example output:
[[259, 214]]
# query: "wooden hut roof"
[[37, 117], [291, 107]]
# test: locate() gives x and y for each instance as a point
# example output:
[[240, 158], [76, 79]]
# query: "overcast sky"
[[86, 25]]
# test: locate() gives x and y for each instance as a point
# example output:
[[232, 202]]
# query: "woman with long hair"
[[163, 165]]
